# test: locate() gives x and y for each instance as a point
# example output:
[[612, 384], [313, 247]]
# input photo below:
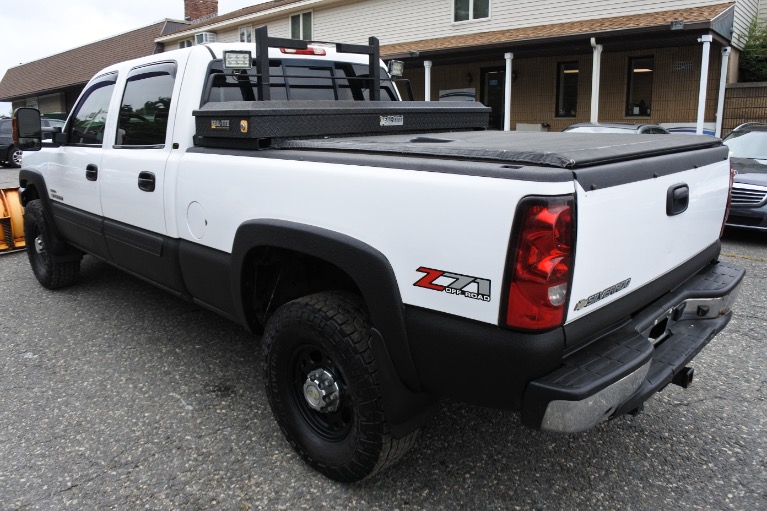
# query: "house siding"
[[746, 11], [763, 11], [396, 21]]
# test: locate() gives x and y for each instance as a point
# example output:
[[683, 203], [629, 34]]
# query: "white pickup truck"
[[393, 253]]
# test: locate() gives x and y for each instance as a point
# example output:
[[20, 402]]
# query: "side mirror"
[[27, 129]]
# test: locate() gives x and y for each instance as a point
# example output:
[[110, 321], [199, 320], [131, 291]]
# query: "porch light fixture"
[[677, 25], [643, 70], [238, 60]]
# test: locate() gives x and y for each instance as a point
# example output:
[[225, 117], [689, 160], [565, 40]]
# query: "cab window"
[[89, 119], [144, 109]]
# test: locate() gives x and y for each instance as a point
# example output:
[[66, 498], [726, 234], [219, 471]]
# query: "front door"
[[493, 95], [73, 176]]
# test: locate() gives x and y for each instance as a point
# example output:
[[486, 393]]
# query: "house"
[[539, 64]]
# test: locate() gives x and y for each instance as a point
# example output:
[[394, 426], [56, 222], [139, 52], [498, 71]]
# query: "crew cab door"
[[133, 174], [73, 176]]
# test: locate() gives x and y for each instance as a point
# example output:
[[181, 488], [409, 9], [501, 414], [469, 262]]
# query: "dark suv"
[[9, 155], [748, 156]]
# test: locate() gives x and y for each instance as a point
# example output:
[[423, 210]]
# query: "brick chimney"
[[197, 10]]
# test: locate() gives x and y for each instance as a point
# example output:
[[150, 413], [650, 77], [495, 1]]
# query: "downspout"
[[722, 89], [507, 92], [427, 80], [706, 40], [595, 74]]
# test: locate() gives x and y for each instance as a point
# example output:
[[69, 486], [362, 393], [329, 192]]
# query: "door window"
[[90, 116], [144, 109]]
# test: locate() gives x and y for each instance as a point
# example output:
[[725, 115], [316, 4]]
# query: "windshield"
[[747, 144]]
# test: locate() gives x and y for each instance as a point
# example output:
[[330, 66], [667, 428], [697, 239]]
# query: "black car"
[[617, 127], [748, 156], [10, 156]]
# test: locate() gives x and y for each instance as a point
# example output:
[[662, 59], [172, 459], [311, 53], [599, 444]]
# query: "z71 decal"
[[454, 284]]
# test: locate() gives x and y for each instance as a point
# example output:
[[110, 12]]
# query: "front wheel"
[[14, 157], [323, 389], [37, 235]]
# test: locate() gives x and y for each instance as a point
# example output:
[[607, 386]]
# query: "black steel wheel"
[[49, 273], [322, 386]]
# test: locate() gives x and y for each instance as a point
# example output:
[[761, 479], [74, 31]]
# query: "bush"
[[753, 58]]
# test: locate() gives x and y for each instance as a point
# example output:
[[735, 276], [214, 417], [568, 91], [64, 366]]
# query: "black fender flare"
[[32, 179]]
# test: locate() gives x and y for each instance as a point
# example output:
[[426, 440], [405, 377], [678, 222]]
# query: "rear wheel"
[[323, 389], [50, 274]]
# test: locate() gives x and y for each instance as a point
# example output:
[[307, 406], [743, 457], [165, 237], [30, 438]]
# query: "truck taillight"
[[729, 200], [540, 264]]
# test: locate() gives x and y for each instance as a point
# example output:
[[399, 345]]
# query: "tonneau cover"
[[562, 150]]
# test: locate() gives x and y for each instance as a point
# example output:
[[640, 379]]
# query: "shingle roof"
[[78, 65], [634, 21]]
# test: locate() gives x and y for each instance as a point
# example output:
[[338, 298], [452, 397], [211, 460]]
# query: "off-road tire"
[[37, 235], [331, 331]]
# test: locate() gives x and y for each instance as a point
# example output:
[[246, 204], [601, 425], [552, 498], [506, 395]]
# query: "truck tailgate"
[[638, 222]]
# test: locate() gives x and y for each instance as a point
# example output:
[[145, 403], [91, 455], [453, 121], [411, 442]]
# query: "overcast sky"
[[33, 29]]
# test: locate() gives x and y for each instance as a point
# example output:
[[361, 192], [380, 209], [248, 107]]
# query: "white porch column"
[[596, 72], [722, 89], [507, 92], [427, 80], [706, 40]]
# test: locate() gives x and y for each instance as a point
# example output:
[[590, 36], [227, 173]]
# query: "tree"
[[753, 58]]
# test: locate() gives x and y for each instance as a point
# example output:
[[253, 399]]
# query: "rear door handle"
[[146, 181], [91, 172]]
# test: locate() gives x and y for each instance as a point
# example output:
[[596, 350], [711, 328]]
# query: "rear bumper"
[[617, 373]]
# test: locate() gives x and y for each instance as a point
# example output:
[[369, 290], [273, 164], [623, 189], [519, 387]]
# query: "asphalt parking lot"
[[115, 395]]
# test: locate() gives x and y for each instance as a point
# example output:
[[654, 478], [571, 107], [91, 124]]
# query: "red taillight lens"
[[542, 264], [729, 200]]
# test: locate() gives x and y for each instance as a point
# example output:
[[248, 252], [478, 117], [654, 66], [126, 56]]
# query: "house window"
[[301, 26], [639, 86], [186, 44], [465, 10], [246, 34], [567, 89], [205, 37]]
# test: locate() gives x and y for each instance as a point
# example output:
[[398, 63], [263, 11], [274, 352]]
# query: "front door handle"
[[91, 172], [146, 181]]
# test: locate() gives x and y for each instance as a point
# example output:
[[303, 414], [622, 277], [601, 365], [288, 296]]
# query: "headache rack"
[[254, 124]]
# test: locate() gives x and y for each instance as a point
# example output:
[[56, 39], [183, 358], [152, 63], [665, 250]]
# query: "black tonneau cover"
[[561, 150]]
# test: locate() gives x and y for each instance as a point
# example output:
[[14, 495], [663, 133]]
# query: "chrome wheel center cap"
[[321, 391]]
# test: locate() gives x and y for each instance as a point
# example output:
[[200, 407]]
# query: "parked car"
[[49, 122], [10, 156], [617, 127], [748, 156]]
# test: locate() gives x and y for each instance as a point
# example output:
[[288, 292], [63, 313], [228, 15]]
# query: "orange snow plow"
[[11, 220]]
